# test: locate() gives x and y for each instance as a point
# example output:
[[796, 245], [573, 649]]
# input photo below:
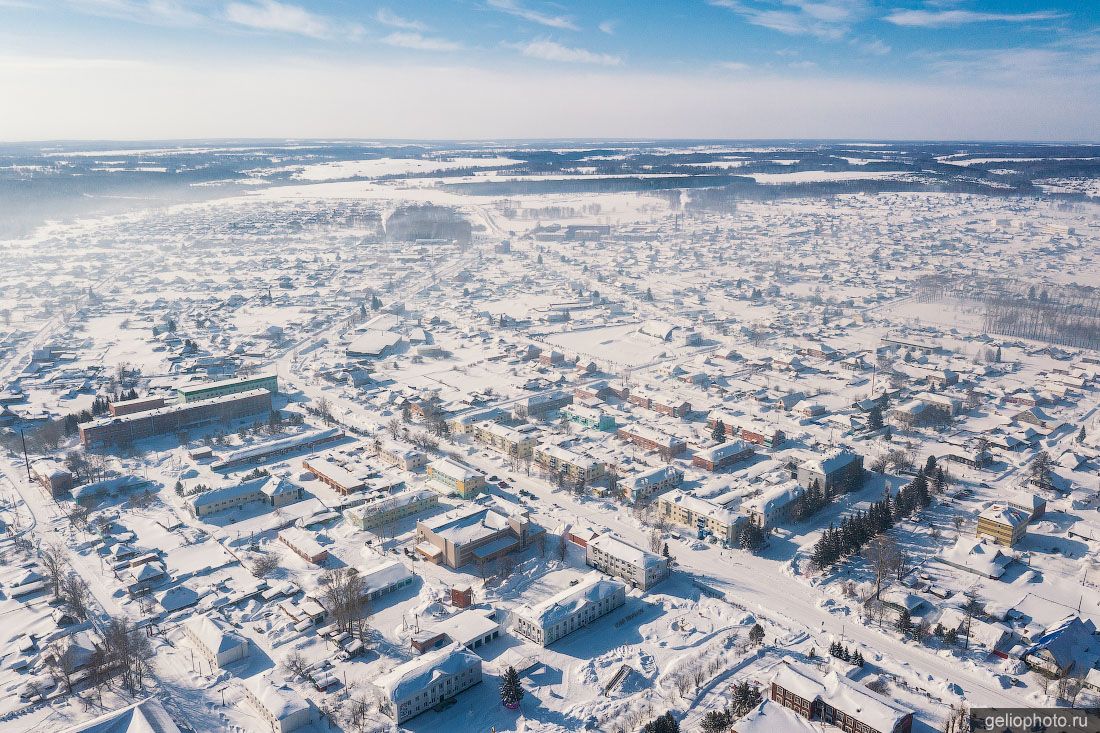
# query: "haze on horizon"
[[483, 69]]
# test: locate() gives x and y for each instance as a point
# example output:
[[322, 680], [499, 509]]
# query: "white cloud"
[[830, 19], [551, 51], [733, 65], [803, 65], [149, 12], [608, 27], [874, 47], [420, 42], [946, 18], [270, 15], [552, 21], [393, 20]]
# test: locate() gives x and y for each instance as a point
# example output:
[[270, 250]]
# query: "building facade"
[[614, 556], [571, 609], [420, 684], [198, 392], [456, 477]]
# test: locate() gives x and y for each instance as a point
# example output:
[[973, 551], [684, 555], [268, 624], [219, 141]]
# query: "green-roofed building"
[[209, 390]]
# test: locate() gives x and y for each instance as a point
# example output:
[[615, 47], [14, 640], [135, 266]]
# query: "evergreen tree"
[[745, 697], [663, 724], [939, 483], [951, 637], [511, 691], [857, 659], [1081, 435], [716, 721], [905, 622], [719, 432], [874, 418], [756, 635], [930, 465]]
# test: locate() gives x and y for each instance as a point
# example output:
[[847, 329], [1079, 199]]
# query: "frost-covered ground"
[[703, 300]]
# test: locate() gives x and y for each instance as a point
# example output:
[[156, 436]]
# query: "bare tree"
[[296, 665], [563, 546], [74, 592], [324, 409], [883, 556], [343, 595], [55, 563], [130, 651], [266, 564], [395, 427]]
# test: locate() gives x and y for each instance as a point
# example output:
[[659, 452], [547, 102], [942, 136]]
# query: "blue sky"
[[1011, 69]]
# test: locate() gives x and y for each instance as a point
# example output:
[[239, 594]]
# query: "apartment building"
[[402, 454], [511, 441], [456, 477], [589, 417], [124, 430], [1004, 524], [652, 439], [419, 684], [650, 482], [838, 470], [573, 608], [702, 517], [722, 455], [390, 509], [209, 390], [576, 466], [638, 567]]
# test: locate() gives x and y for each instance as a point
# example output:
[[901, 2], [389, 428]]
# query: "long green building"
[[209, 390]]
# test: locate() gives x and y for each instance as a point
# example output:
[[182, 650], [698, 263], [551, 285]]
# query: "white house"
[[283, 708], [417, 685], [216, 639], [573, 608]]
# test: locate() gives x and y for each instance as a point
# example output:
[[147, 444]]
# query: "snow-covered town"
[[375, 449]]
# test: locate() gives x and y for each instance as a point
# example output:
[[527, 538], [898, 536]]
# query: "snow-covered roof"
[[381, 575], [724, 450], [623, 550], [593, 588], [453, 469], [147, 716], [405, 680], [1006, 515], [841, 693], [771, 717], [1071, 643], [215, 633], [977, 555], [699, 506], [281, 702]]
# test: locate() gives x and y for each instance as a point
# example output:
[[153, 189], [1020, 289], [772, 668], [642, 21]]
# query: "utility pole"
[[26, 460]]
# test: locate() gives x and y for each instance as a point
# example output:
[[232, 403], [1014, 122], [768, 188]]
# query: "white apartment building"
[[617, 557], [417, 685], [571, 609]]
